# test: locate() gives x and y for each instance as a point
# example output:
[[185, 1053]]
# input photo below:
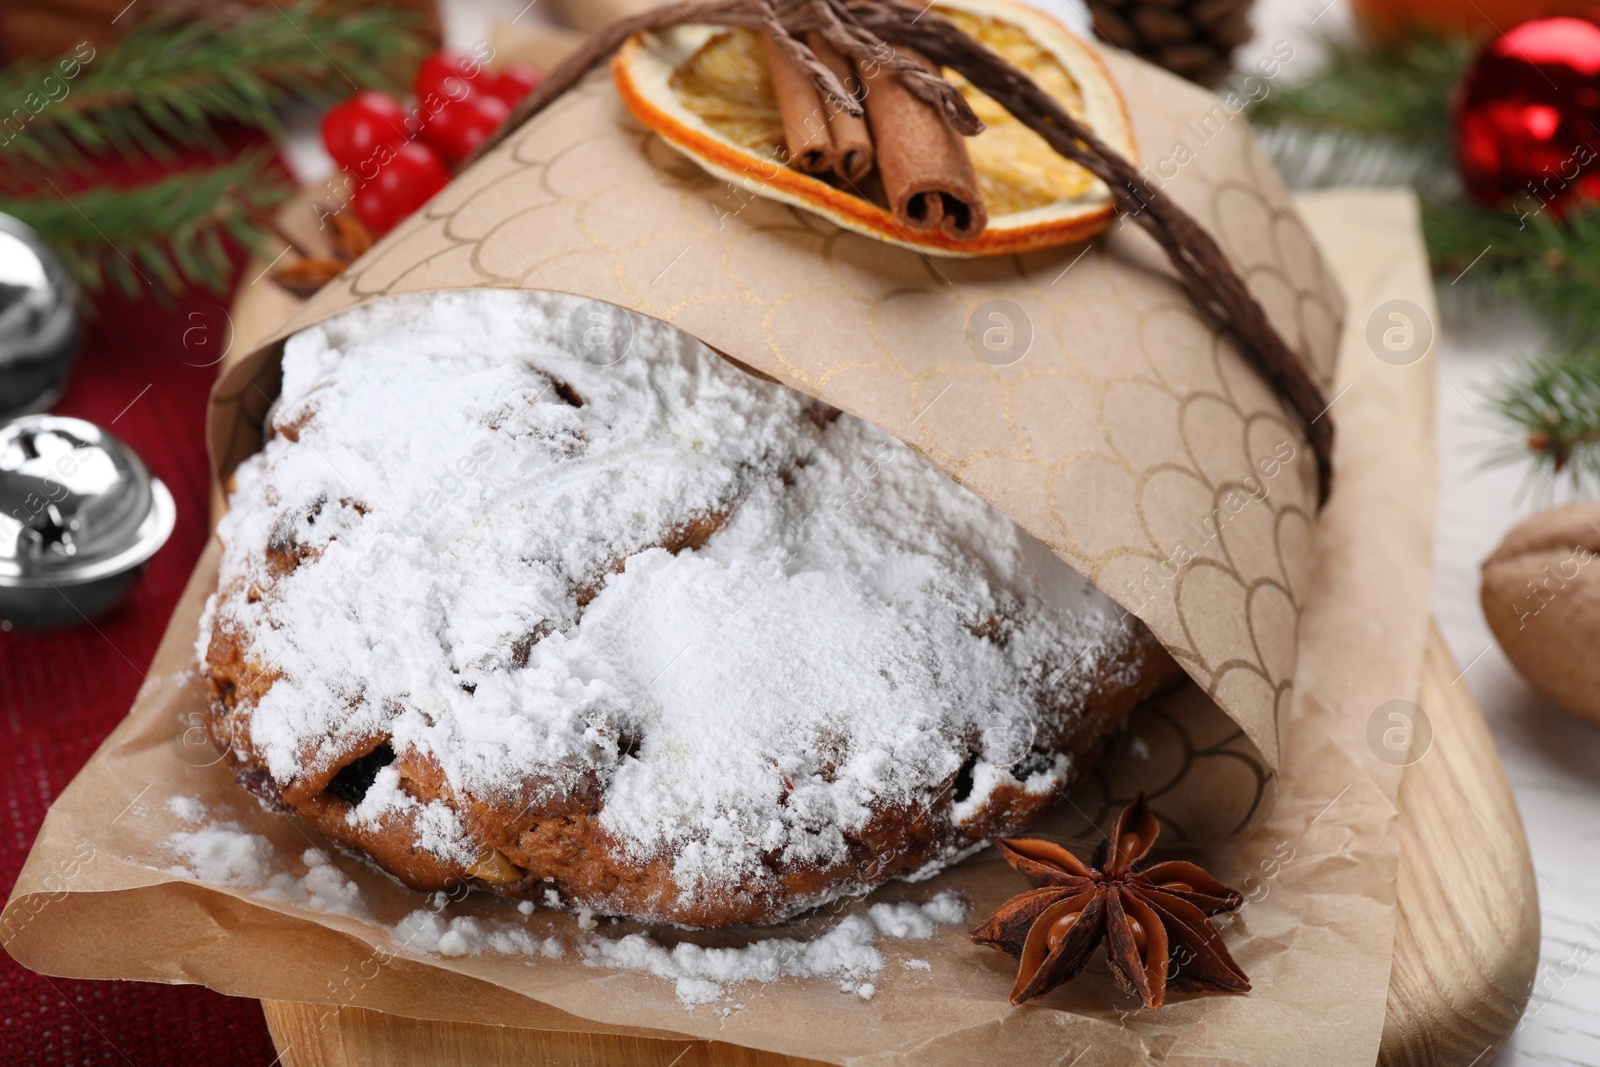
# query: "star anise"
[[1154, 919]]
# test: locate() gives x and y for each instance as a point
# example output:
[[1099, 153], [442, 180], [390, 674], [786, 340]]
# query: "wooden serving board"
[[1466, 944], [1466, 939]]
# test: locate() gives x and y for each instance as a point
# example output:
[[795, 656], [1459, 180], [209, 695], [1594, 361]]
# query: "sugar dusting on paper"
[[225, 853], [847, 952]]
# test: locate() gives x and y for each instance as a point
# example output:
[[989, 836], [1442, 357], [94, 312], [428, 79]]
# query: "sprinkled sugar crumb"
[[820, 657], [227, 854], [188, 809], [943, 908], [913, 921], [847, 952], [466, 935]]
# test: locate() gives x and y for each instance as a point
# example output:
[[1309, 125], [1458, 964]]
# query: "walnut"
[[1541, 596]]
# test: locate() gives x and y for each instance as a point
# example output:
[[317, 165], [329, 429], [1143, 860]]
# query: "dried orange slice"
[[706, 91]]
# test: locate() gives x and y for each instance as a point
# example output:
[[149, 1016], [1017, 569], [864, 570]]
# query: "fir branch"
[[160, 237], [173, 82], [1402, 93], [1369, 117], [1553, 404], [1550, 403], [1312, 158], [1551, 265]]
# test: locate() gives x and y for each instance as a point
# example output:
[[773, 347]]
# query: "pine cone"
[[1194, 38]]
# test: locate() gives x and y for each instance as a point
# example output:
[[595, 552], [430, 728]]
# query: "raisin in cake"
[[653, 638]]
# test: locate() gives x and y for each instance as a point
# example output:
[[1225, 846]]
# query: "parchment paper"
[[1132, 420], [1118, 428]]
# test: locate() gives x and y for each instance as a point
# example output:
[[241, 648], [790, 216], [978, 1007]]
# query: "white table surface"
[[1553, 761]]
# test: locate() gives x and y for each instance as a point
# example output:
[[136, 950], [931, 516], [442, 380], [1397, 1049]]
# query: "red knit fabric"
[[63, 691]]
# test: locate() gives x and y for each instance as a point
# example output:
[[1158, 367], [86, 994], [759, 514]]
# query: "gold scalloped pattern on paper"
[[1122, 437]]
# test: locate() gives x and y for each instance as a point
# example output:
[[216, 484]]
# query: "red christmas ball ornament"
[[1527, 118]]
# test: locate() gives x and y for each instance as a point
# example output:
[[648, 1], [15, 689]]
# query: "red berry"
[[405, 182], [457, 127], [513, 83], [353, 129], [452, 75]]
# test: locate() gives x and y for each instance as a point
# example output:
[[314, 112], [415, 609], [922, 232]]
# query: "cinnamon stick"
[[926, 171], [805, 120], [852, 144]]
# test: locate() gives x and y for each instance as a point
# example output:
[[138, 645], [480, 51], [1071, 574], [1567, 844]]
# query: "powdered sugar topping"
[[477, 515]]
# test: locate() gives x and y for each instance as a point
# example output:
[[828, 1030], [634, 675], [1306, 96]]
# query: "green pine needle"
[[1550, 403], [1554, 403], [157, 238], [1551, 265], [1369, 117], [173, 82], [1403, 93], [1380, 117]]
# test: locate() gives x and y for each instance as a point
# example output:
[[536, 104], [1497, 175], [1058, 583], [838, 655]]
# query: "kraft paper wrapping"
[[1116, 426], [1126, 420]]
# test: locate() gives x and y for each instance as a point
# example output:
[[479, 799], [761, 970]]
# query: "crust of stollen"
[[559, 845], [545, 841]]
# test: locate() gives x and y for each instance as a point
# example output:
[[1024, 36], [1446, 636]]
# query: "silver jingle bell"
[[80, 516], [39, 329]]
